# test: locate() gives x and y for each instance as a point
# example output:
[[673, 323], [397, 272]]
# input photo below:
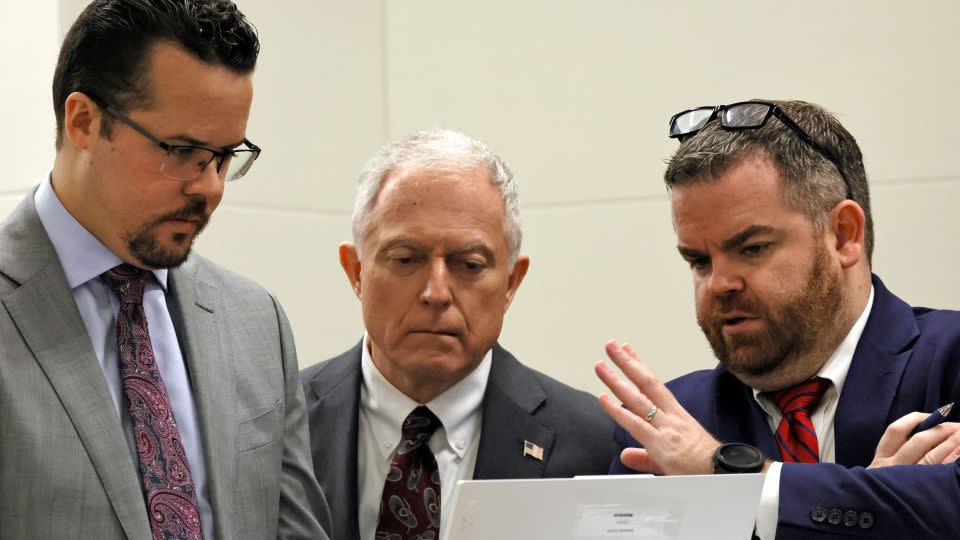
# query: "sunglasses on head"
[[746, 115]]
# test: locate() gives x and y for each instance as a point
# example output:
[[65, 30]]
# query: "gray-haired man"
[[435, 263]]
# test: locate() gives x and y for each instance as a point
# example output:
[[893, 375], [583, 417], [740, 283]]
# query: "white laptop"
[[722, 506]]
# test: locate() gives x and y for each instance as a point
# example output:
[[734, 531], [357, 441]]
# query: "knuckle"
[[649, 379]]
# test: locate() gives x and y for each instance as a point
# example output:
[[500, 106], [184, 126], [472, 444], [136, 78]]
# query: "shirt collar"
[[81, 255], [458, 408], [836, 367]]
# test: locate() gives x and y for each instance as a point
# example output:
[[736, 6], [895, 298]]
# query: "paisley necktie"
[[167, 483], [410, 503]]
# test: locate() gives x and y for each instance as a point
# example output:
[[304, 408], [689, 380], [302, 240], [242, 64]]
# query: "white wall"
[[28, 51], [575, 96]]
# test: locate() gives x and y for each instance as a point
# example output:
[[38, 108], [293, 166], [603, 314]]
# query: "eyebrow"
[[476, 247], [399, 242], [404, 242], [196, 142], [733, 242]]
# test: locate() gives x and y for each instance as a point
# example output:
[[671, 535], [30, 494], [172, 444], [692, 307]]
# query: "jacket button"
[[866, 520], [819, 514], [850, 518], [834, 517]]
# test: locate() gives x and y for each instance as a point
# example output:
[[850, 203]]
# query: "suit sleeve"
[[826, 500], [303, 508], [623, 440]]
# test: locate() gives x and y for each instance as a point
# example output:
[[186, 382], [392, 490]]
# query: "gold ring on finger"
[[651, 414]]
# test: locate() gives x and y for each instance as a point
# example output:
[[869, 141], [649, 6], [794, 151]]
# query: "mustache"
[[195, 209], [737, 302]]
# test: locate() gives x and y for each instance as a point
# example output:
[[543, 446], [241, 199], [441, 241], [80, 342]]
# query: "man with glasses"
[[822, 369], [146, 392]]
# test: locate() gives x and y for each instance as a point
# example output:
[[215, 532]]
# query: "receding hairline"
[[438, 151], [714, 171], [446, 172]]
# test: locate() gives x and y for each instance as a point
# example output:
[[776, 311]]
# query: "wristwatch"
[[737, 458]]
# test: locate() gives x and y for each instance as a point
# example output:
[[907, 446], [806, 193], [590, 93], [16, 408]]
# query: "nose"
[[436, 291], [724, 278], [208, 185]]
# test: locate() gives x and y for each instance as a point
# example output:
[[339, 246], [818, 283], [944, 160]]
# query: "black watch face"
[[738, 458], [741, 455]]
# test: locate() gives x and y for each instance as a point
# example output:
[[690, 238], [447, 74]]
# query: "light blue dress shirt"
[[83, 259]]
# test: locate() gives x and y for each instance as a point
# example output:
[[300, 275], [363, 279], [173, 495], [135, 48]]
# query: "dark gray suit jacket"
[[519, 404], [65, 469]]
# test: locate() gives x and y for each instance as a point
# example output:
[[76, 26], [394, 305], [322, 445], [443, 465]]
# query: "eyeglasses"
[[746, 115], [187, 161]]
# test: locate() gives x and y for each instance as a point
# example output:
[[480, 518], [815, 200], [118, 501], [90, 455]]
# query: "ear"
[[516, 276], [350, 262], [81, 120], [848, 224]]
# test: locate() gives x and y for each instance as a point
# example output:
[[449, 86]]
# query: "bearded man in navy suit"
[[771, 209]]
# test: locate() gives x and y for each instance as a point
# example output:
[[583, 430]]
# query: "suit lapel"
[[738, 416], [871, 384], [193, 306], [875, 372], [334, 422], [46, 314], [512, 398]]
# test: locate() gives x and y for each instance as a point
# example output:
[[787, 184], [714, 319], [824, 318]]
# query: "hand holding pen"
[[935, 418], [919, 439]]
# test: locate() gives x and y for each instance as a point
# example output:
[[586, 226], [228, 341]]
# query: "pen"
[[935, 418]]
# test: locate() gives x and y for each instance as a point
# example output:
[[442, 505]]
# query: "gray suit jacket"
[[519, 404], [65, 468]]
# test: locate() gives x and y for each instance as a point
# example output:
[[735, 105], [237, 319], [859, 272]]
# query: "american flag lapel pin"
[[533, 450]]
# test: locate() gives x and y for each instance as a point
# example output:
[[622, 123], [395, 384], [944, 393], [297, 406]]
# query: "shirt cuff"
[[768, 513]]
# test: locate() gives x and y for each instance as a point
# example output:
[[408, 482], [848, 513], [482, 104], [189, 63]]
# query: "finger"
[[628, 348], [950, 442], [654, 388], [915, 450], [952, 456], [636, 370], [639, 460], [897, 433], [637, 427], [627, 393]]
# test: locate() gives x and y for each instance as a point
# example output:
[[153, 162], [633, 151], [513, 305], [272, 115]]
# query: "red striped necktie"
[[795, 436]]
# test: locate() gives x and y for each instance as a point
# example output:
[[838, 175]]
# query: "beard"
[[792, 330], [151, 252]]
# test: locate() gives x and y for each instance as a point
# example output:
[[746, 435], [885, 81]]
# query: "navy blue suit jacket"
[[907, 359]]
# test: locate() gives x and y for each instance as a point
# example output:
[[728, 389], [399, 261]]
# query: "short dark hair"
[[106, 50], [813, 184]]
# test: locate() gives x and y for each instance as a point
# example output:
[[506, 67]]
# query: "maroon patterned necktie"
[[410, 503], [795, 435], [167, 482]]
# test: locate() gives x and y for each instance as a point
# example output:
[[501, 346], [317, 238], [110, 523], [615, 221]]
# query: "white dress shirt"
[[382, 410], [835, 370], [83, 259]]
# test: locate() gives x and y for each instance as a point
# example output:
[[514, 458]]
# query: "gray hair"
[[437, 150], [813, 185]]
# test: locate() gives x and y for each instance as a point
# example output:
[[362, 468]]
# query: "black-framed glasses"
[[746, 115], [186, 162]]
